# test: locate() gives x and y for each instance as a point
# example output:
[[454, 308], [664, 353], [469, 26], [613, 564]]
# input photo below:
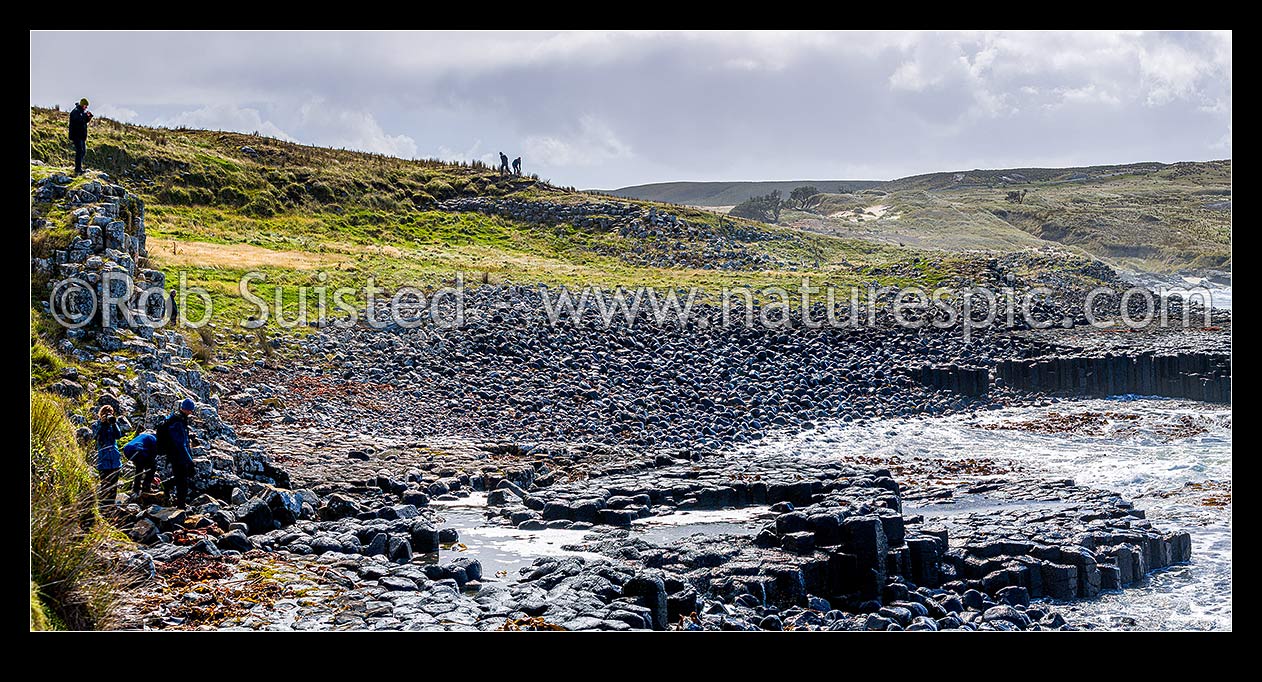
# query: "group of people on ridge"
[[504, 165], [171, 438], [80, 116]]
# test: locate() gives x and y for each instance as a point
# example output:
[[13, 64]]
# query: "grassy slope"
[[730, 193], [293, 211], [74, 582], [1149, 217]]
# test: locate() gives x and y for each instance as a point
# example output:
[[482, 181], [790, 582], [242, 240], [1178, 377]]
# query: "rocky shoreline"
[[329, 461], [836, 550]]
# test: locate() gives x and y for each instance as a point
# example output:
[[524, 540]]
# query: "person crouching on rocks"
[[173, 437], [142, 451], [106, 432]]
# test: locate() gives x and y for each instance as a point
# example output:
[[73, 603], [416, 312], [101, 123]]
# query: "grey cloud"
[[607, 109]]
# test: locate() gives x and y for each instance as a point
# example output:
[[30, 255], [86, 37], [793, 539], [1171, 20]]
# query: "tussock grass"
[[74, 583], [202, 342]]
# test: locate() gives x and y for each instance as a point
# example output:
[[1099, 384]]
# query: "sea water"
[[1159, 453]]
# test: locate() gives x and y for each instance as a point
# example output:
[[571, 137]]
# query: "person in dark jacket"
[[175, 310], [517, 166], [503, 163], [106, 432], [79, 118], [178, 454], [142, 451]]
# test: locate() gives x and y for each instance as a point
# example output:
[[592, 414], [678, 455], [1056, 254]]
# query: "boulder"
[[257, 515], [649, 590]]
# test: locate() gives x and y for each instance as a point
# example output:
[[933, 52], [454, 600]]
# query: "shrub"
[[294, 192], [173, 194], [320, 192], [231, 196], [203, 345], [440, 189], [73, 582], [45, 364], [764, 208], [382, 202], [263, 206]]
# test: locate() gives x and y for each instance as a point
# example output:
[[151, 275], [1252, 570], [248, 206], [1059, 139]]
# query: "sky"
[[609, 109]]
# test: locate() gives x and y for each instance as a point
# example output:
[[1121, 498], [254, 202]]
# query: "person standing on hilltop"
[[503, 163], [79, 118], [517, 166], [106, 433]]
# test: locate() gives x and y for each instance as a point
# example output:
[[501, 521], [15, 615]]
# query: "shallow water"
[[1219, 296], [970, 504], [1143, 459], [503, 551], [671, 527]]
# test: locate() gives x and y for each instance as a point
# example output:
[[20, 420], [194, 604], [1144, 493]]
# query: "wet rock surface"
[[840, 547], [378, 444], [331, 468]]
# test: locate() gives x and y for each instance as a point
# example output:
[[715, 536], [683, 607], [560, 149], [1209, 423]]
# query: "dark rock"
[[1005, 613], [415, 498], [398, 583], [617, 517], [337, 506], [771, 623], [235, 540], [425, 538], [398, 511], [399, 549], [144, 532], [1014, 596], [649, 591], [379, 545], [799, 543], [257, 515]]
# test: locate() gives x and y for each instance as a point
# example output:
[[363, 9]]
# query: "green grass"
[[1146, 217], [74, 581], [74, 584], [215, 213], [729, 193]]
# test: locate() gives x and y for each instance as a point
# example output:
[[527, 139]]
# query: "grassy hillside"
[[1001, 176], [1148, 217], [219, 205], [75, 581], [730, 193]]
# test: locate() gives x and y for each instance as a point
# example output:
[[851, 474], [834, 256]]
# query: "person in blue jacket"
[[176, 448], [106, 433], [142, 451]]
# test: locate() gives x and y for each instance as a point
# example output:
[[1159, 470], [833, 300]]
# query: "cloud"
[[602, 109], [1088, 95], [225, 117], [473, 153], [117, 113], [592, 143], [908, 77], [353, 129]]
